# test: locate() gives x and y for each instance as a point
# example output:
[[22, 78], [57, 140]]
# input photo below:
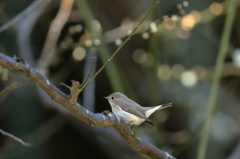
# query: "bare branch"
[[94, 119], [4, 93], [12, 86], [14, 138]]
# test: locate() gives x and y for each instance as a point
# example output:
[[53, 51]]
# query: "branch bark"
[[106, 119]]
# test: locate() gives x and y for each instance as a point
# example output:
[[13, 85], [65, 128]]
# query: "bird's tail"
[[150, 110], [163, 106]]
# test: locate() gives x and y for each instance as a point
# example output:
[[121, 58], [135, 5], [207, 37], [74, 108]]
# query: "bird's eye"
[[112, 98]]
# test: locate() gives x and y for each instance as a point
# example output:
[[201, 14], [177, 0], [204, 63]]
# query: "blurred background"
[[171, 58]]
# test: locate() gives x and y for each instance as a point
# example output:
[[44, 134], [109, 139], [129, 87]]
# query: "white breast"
[[129, 118]]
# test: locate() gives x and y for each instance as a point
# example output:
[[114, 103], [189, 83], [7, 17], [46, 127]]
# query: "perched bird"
[[130, 111]]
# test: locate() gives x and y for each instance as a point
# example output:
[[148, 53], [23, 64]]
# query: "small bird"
[[130, 111]]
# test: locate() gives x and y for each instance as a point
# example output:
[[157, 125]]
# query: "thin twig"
[[14, 138], [89, 73], [216, 79], [120, 47], [63, 84], [11, 87]]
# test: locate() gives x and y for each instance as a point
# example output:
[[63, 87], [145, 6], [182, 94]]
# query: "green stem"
[[216, 79], [63, 84], [120, 47], [85, 79]]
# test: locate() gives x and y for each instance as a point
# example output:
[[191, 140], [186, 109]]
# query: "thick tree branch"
[[95, 119]]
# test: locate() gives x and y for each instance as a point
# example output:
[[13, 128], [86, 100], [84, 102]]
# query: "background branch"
[[14, 138], [21, 15], [53, 35]]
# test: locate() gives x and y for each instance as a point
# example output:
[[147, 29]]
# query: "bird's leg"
[[129, 123], [132, 126]]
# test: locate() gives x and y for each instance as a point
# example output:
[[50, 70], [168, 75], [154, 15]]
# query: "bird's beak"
[[105, 97]]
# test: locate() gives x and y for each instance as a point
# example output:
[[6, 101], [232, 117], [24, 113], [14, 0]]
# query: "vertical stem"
[[216, 78]]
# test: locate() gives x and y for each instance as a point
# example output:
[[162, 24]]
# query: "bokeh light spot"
[[153, 27], [145, 35], [129, 32], [88, 43], [185, 4], [79, 53], [188, 22], [189, 78], [236, 57], [118, 42], [216, 8], [175, 18], [96, 26], [78, 28], [96, 42], [164, 72]]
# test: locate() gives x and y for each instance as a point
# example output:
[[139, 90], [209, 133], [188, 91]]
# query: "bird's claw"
[[106, 112]]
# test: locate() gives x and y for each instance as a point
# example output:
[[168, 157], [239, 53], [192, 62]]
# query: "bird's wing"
[[130, 109]]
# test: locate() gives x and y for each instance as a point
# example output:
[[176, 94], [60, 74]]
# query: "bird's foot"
[[132, 126], [106, 112], [129, 123]]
